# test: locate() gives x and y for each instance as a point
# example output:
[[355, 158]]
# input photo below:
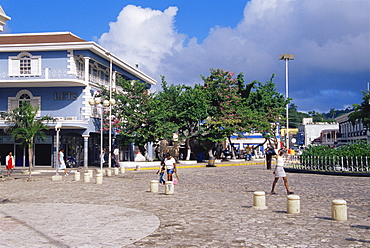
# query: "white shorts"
[[280, 172]]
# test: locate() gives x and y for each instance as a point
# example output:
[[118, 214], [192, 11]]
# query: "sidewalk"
[[211, 207]]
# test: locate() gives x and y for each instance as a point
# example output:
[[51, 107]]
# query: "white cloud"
[[330, 40], [143, 36]]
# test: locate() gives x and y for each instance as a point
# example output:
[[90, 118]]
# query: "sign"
[[65, 96], [6, 140], [47, 140]]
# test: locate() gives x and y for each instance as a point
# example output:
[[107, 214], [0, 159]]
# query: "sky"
[[182, 40]]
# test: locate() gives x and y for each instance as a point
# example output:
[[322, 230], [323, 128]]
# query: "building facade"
[[351, 133], [59, 73], [309, 131]]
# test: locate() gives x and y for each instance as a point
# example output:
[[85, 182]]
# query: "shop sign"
[[65, 96], [46, 140], [6, 140]]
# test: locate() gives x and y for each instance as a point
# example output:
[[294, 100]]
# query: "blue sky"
[[182, 40]]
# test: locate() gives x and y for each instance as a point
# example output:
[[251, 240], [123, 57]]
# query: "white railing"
[[329, 163], [56, 74]]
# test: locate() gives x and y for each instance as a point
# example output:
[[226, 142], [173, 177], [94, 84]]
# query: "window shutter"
[[35, 104], [13, 104], [35, 67], [14, 65]]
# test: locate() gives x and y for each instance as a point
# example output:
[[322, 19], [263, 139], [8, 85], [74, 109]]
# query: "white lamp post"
[[287, 57], [101, 104], [58, 126], [111, 102]]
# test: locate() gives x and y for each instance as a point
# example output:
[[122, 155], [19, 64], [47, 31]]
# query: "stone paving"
[[211, 207]]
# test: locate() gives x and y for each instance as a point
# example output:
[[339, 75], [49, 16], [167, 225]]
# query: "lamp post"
[[101, 104], [58, 126], [110, 110], [287, 57]]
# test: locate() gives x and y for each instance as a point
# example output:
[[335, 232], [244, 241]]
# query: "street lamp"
[[58, 126], [102, 104], [287, 57], [110, 109]]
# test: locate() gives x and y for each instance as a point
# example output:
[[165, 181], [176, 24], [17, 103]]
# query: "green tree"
[[185, 107], [362, 111], [25, 125], [228, 113], [268, 105], [139, 116]]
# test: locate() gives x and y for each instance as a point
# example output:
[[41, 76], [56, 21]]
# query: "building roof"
[[36, 38]]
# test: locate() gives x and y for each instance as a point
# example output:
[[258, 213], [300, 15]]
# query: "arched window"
[[24, 96], [24, 64]]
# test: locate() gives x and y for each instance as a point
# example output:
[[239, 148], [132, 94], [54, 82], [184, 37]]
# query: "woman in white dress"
[[280, 172], [62, 164]]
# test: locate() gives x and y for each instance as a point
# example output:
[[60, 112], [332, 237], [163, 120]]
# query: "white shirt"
[[170, 163]]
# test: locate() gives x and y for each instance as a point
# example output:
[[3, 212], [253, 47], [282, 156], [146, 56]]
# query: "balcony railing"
[[56, 74]]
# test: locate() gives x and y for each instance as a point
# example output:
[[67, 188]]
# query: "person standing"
[[248, 152], [170, 163], [116, 156], [280, 172], [161, 170], [62, 164], [10, 163], [269, 152]]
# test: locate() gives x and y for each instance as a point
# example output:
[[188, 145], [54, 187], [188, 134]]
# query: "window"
[[24, 96], [25, 64]]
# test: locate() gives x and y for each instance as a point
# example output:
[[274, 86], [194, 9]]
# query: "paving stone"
[[211, 207]]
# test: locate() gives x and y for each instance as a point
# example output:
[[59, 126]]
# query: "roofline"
[[90, 45], [42, 33]]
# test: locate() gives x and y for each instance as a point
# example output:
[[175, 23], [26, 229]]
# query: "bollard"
[[99, 178], [259, 200], [137, 167], [91, 173], [109, 172], [77, 176], [154, 184], [122, 169], [101, 171], [339, 210], [293, 204], [115, 170], [86, 177], [170, 188]]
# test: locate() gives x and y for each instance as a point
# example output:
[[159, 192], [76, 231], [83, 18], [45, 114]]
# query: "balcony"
[[56, 75]]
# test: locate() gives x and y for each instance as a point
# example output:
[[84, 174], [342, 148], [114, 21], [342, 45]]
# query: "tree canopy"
[[362, 111]]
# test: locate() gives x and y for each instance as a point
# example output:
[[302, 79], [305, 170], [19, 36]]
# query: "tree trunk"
[[30, 165], [232, 149], [188, 149]]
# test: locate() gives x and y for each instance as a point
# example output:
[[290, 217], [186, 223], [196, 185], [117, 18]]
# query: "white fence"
[[329, 163]]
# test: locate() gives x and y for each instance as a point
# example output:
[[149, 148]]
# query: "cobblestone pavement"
[[211, 207]]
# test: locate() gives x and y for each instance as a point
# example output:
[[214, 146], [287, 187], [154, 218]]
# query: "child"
[[162, 169]]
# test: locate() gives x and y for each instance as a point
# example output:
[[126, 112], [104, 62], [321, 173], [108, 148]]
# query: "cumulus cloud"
[[330, 40], [143, 36]]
